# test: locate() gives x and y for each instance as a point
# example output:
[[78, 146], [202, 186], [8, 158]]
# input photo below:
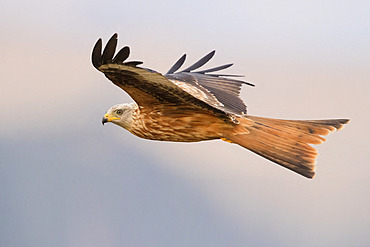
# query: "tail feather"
[[285, 142]]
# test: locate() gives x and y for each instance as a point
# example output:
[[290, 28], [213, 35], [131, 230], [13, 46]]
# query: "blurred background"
[[65, 180]]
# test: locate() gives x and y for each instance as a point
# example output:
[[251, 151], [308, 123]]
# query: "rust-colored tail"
[[285, 142]]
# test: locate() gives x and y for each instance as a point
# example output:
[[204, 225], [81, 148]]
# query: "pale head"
[[120, 114]]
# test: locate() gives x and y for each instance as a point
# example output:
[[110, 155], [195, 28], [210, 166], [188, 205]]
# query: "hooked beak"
[[108, 118], [104, 120]]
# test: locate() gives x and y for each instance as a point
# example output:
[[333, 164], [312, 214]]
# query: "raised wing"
[[149, 88], [225, 90]]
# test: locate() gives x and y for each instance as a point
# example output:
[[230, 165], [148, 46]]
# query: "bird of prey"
[[192, 106]]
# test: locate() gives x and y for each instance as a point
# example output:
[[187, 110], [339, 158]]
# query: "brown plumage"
[[190, 106]]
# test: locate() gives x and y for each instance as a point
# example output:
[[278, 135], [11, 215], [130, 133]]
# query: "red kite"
[[192, 106]]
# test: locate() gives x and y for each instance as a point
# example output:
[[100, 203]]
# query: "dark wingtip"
[[96, 56], [133, 63], [249, 84], [218, 68], [211, 54], [109, 49], [340, 123], [177, 65], [345, 121], [201, 62], [122, 55]]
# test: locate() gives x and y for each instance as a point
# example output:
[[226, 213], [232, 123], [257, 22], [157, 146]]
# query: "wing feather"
[[109, 49], [96, 54], [201, 62], [148, 88], [122, 55], [177, 65], [222, 67], [133, 63], [225, 91]]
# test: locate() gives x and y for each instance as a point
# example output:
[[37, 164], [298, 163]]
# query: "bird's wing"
[[225, 90], [149, 88]]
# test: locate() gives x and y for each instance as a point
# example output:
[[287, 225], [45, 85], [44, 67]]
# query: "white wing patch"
[[199, 92]]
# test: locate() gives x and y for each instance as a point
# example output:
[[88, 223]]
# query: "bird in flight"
[[192, 106]]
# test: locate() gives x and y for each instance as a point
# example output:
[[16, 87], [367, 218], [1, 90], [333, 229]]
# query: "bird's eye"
[[119, 112]]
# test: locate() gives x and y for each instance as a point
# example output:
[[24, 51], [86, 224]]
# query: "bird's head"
[[120, 114]]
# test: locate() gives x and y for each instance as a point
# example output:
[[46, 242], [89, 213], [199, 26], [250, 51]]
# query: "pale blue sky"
[[65, 180]]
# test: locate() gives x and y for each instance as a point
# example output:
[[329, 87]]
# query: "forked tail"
[[285, 142]]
